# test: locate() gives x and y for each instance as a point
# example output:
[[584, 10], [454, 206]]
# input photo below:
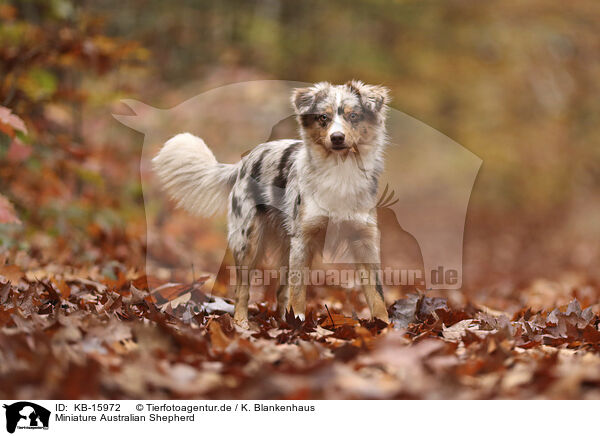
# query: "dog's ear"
[[303, 99], [373, 97]]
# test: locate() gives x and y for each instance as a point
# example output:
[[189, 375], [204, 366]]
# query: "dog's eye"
[[324, 118], [353, 116]]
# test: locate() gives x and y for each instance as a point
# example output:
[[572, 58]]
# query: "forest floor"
[[68, 334]]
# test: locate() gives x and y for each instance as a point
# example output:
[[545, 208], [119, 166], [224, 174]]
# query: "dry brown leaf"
[[12, 273], [336, 320], [218, 338]]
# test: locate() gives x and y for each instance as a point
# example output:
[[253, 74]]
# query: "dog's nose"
[[337, 138]]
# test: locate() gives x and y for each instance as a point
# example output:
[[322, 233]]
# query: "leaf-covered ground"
[[77, 319], [87, 335]]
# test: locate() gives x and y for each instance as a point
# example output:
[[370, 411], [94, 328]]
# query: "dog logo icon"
[[26, 415]]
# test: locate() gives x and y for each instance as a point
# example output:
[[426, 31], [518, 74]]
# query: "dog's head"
[[341, 118]]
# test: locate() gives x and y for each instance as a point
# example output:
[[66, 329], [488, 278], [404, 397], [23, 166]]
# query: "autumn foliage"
[[81, 318], [71, 337]]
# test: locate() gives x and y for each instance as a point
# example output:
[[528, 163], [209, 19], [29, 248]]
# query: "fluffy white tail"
[[192, 176]]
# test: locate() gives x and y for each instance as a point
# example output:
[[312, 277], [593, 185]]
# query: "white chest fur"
[[338, 188]]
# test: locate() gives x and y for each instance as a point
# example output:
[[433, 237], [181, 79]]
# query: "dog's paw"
[[243, 323]]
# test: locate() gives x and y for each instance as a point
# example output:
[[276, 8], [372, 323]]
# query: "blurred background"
[[514, 82]]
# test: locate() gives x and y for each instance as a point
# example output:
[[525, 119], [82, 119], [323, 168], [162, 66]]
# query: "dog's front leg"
[[366, 248], [373, 290], [242, 295], [283, 297], [300, 256]]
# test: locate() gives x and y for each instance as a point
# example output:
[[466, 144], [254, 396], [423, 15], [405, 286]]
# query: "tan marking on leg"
[[240, 314], [373, 295], [248, 258], [368, 244], [302, 251], [283, 297]]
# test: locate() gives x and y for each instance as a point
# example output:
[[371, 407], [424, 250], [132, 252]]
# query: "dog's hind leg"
[[283, 291], [246, 243]]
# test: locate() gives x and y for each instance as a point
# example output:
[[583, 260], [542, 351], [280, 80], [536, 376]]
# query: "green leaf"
[[38, 84]]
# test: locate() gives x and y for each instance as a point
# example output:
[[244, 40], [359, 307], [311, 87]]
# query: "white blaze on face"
[[336, 126], [337, 123]]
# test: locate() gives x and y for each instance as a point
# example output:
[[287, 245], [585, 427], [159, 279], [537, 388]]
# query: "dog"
[[283, 195]]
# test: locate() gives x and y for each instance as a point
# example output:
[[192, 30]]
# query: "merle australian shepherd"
[[282, 196]]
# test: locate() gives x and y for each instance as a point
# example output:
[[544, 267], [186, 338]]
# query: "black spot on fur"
[[296, 206], [378, 286], [374, 185], [353, 89], [255, 185], [304, 99], [319, 96], [369, 116], [235, 206], [284, 166], [280, 181], [340, 110], [379, 103], [261, 208], [257, 166]]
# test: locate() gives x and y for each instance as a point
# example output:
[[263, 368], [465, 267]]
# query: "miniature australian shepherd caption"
[[282, 196]]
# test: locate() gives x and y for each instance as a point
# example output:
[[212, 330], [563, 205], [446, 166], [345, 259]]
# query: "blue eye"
[[324, 118], [353, 116]]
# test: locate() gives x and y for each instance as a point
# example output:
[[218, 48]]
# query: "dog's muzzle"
[[338, 141]]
